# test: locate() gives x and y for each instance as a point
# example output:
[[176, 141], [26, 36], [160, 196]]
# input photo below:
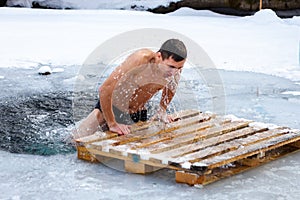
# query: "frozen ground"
[[257, 59], [60, 175], [65, 177]]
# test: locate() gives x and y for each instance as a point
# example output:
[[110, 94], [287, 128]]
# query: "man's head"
[[172, 56], [174, 48]]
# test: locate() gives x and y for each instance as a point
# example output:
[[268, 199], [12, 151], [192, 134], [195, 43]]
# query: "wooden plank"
[[251, 162], [98, 136], [242, 165], [220, 173], [103, 145], [228, 146], [136, 136], [181, 151], [139, 168], [100, 140], [157, 150], [202, 148], [188, 178], [218, 140], [184, 114], [296, 144], [262, 146], [186, 141], [269, 155], [84, 154], [195, 137], [121, 157], [176, 116], [180, 132]]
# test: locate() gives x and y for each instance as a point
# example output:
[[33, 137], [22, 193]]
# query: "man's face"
[[170, 67]]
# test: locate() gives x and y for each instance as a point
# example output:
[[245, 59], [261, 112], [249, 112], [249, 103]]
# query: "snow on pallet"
[[200, 147]]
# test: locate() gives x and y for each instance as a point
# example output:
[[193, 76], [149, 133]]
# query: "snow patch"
[[263, 125], [295, 93], [184, 11], [200, 164], [267, 16], [144, 154], [198, 186], [294, 21], [186, 165], [256, 53], [234, 118], [45, 70]]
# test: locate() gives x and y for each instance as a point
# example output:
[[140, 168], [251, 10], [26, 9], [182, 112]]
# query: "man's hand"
[[121, 129], [162, 116]]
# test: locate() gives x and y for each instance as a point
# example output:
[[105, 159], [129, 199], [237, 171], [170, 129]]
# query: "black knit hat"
[[174, 46]]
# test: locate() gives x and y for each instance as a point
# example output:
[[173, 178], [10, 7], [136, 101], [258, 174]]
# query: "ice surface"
[[65, 177], [58, 70]]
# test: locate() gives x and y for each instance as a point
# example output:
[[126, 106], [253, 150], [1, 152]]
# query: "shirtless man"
[[125, 92]]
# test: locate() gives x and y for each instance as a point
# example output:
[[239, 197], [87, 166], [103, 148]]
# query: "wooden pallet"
[[200, 147]]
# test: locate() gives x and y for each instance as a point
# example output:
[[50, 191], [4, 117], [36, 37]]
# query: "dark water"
[[37, 114], [35, 111], [36, 124]]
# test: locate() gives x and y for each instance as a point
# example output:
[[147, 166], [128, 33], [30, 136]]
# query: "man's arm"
[[166, 98], [168, 93], [105, 95]]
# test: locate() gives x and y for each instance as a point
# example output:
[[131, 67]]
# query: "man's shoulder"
[[145, 53]]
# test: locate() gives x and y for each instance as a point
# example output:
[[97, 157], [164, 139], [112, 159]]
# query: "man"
[[123, 95]]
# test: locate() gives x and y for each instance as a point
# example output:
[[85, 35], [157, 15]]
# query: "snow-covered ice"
[[261, 43]]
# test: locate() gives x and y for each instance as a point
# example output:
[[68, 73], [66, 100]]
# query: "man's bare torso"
[[137, 86]]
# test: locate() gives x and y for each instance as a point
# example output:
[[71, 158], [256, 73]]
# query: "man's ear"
[[158, 56]]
